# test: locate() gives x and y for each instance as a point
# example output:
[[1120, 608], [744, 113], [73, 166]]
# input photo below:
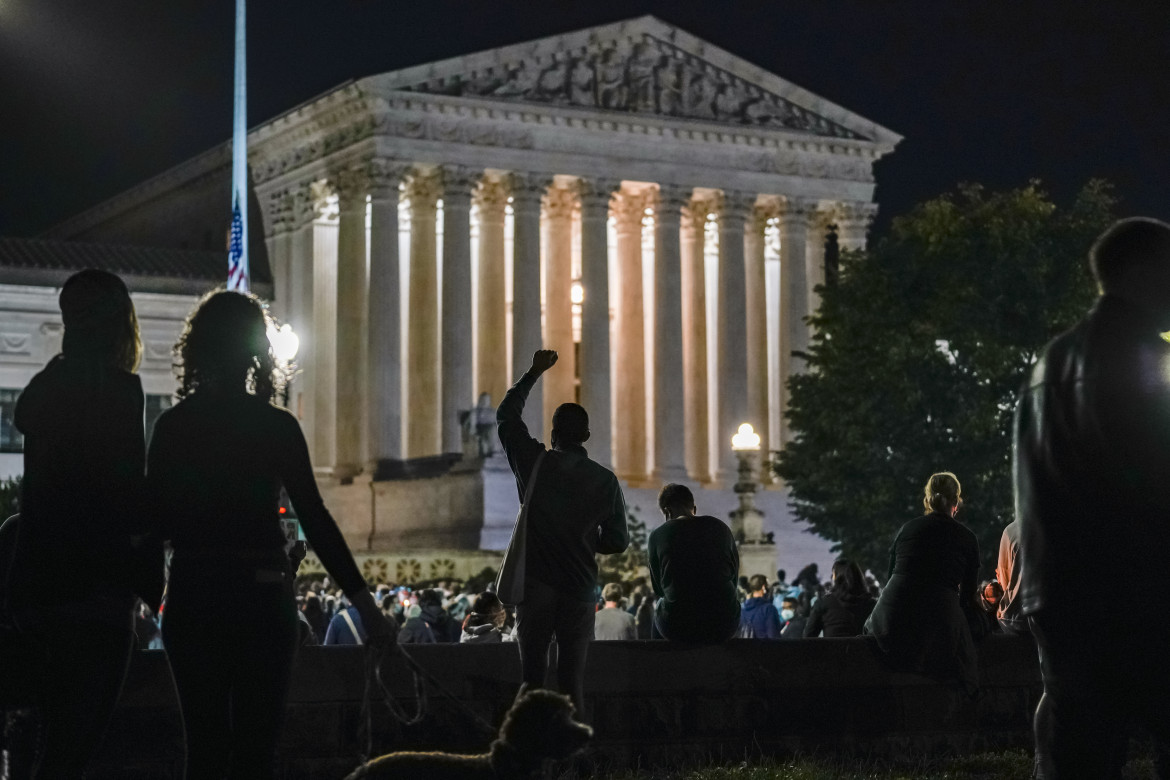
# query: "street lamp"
[[746, 440], [747, 522], [285, 344]]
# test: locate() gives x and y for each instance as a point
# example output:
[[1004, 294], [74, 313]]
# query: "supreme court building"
[[650, 206]]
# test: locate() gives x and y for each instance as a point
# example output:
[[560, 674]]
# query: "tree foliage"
[[919, 351], [634, 562]]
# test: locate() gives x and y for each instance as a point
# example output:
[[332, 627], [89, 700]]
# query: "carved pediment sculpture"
[[646, 76]]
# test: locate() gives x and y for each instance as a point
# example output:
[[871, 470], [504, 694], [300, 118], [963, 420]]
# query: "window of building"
[[11, 439]]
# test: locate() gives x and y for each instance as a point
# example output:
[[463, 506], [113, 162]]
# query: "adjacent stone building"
[[649, 205]]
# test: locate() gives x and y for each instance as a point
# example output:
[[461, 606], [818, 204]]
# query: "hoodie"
[[758, 613]]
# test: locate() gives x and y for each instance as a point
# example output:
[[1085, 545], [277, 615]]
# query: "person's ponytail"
[[942, 493]]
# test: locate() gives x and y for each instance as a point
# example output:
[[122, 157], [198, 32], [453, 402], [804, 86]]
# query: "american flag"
[[237, 266], [238, 243]]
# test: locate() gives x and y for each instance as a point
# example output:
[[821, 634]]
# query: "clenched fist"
[[543, 360]]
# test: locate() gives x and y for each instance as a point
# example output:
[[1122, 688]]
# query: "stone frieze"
[[646, 76]]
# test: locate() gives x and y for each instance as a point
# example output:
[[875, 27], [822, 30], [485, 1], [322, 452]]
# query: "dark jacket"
[[694, 569], [838, 616], [758, 618], [1092, 455], [918, 622], [577, 505], [82, 495], [442, 626]]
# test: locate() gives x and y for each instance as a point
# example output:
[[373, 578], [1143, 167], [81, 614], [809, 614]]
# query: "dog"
[[538, 728]]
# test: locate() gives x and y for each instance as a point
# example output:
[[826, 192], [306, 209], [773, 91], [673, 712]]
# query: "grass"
[[1007, 765]]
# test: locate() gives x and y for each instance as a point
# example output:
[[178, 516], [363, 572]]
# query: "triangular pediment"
[[641, 66]]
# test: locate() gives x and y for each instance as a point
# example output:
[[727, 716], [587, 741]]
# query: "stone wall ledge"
[[651, 703]]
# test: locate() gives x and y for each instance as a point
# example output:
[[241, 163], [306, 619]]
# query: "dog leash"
[[375, 659]]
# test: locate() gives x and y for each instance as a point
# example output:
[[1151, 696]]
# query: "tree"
[[634, 562], [918, 353]]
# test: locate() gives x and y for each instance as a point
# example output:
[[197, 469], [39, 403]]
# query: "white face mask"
[[787, 614]]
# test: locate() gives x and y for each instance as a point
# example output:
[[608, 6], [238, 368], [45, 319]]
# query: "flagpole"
[[238, 271]]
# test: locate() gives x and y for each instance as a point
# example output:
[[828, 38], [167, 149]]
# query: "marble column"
[[595, 331], [814, 259], [352, 338], [324, 329], [694, 342], [458, 385], [491, 360], [422, 360], [732, 334], [559, 384], [853, 220], [527, 191], [757, 327], [300, 317], [278, 227], [629, 412], [669, 419], [384, 391], [794, 334]]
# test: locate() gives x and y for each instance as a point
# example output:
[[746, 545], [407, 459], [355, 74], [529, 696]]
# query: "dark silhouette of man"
[[576, 511], [1092, 459], [694, 565]]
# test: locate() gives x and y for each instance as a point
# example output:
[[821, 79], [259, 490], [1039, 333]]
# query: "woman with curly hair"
[[81, 511], [216, 465]]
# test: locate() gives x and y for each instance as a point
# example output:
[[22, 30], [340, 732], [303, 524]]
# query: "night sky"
[[98, 96]]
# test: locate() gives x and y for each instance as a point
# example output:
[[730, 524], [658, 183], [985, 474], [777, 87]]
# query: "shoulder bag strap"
[[349, 622]]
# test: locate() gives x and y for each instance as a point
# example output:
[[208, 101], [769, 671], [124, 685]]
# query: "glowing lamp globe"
[[747, 440], [577, 293], [284, 342]]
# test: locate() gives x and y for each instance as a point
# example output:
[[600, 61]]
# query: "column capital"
[[673, 197], [854, 212], [458, 182], [595, 195], [559, 203], [628, 208], [491, 198], [528, 188], [736, 206], [761, 213], [280, 212], [695, 213], [351, 184], [309, 202], [794, 210], [385, 174], [423, 189]]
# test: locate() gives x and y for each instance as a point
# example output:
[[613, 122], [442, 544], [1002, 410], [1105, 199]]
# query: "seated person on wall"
[[694, 565], [920, 621], [758, 617], [844, 609], [612, 622]]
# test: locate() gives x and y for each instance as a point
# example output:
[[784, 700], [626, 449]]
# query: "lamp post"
[[285, 344], [757, 552]]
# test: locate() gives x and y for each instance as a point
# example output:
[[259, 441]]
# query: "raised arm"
[[519, 445]]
